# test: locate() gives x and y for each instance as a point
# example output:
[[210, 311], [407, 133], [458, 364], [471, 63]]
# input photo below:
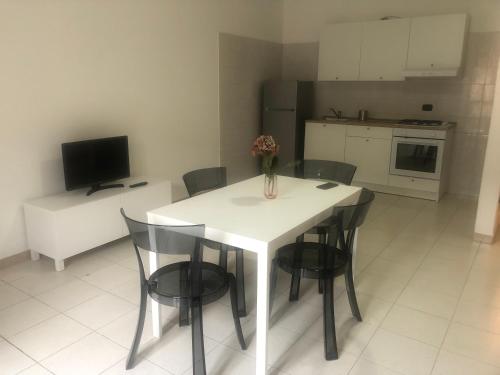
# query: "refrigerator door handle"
[[269, 109]]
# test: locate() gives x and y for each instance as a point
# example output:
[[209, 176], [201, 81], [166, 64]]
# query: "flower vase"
[[270, 186]]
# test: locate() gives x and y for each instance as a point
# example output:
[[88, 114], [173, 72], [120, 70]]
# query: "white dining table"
[[239, 215]]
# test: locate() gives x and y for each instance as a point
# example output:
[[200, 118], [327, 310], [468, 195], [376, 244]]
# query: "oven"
[[417, 157]]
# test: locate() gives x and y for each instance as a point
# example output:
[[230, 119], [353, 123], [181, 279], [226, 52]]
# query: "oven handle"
[[430, 141]]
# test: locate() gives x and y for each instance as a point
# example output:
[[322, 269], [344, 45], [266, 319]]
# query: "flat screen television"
[[95, 161]]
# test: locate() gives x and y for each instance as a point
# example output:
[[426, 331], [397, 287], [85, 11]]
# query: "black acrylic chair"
[[203, 180], [325, 261], [335, 171], [189, 284]]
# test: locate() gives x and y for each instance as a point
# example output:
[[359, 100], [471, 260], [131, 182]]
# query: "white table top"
[[240, 215]]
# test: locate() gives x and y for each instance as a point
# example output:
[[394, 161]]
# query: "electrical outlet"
[[427, 107]]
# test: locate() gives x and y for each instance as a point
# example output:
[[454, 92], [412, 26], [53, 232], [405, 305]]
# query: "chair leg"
[[197, 338], [234, 307], [223, 257], [322, 240], [331, 351], [294, 287], [351, 292], [184, 307], [272, 285], [240, 283], [140, 326]]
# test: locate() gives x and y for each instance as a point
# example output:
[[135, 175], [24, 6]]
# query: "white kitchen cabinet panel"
[[436, 45], [340, 52], [325, 141], [414, 183], [371, 156], [369, 132], [384, 50]]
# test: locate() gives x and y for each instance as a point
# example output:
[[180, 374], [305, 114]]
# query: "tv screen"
[[89, 163]]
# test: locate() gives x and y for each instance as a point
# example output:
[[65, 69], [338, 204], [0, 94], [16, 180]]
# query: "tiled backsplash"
[[466, 100], [244, 64]]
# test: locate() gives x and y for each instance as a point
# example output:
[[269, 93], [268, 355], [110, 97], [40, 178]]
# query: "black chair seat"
[[313, 260], [172, 284]]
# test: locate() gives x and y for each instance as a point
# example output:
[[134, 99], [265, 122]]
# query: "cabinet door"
[[339, 52], [325, 141], [436, 42], [384, 50], [372, 158]]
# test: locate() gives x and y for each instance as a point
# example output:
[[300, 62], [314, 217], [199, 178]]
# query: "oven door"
[[417, 157]]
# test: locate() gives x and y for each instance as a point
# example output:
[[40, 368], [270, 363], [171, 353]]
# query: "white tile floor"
[[429, 295]]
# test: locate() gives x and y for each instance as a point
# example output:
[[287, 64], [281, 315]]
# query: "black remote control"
[[137, 184]]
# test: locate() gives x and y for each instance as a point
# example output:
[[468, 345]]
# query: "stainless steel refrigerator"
[[286, 105]]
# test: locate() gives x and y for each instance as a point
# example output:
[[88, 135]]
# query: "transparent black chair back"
[[201, 180], [320, 169], [164, 239], [348, 218]]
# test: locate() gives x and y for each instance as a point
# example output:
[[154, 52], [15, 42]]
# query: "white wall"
[[486, 220], [74, 69], [303, 19]]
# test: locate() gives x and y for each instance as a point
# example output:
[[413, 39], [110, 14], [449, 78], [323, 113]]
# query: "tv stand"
[[96, 188], [63, 225]]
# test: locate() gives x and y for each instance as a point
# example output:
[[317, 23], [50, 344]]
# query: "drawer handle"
[[367, 140]]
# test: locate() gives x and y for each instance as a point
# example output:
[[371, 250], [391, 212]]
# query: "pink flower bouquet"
[[266, 147]]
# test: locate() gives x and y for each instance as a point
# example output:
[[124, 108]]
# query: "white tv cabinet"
[[60, 226]]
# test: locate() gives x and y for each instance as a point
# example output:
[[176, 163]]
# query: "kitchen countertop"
[[382, 123]]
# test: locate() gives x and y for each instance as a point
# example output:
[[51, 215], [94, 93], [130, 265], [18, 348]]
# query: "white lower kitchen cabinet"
[[371, 156], [325, 141], [414, 183]]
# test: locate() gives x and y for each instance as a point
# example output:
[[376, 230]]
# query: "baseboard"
[[16, 258], [480, 237]]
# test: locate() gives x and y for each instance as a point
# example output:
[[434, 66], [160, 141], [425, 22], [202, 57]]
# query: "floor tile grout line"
[[35, 362], [451, 321], [379, 326], [456, 212]]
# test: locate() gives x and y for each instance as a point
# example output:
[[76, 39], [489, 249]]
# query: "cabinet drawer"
[[414, 183], [369, 132]]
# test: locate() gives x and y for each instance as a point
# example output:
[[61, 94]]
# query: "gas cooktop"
[[422, 122]]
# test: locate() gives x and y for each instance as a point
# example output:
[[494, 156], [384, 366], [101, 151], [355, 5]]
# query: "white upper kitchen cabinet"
[[340, 52], [436, 45], [324, 141], [371, 156], [384, 50]]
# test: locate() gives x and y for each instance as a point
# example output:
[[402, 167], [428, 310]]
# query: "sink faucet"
[[338, 114]]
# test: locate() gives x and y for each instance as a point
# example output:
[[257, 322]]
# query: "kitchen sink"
[[333, 118]]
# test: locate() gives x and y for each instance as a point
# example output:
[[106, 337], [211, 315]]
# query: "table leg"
[[154, 260], [59, 264], [263, 268]]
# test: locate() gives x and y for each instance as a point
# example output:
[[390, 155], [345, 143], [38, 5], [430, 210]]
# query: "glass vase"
[[270, 186]]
